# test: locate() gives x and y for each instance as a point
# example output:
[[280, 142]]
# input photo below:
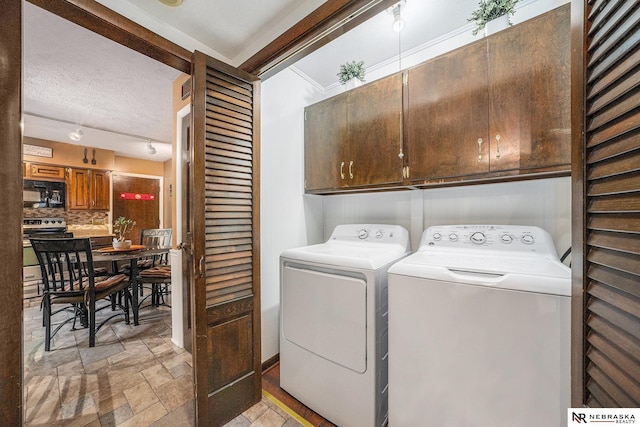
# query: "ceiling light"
[[76, 135], [172, 3], [398, 22], [150, 148]]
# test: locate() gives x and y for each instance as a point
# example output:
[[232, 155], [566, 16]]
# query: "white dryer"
[[479, 330], [333, 331]]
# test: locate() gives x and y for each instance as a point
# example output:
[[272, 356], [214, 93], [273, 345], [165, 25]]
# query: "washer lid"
[[523, 273]]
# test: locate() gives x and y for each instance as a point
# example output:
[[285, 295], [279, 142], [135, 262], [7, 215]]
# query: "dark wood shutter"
[[611, 285], [225, 202]]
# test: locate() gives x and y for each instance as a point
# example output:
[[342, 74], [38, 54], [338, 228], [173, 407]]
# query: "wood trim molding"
[[270, 362], [578, 226], [11, 410], [326, 23], [104, 21]]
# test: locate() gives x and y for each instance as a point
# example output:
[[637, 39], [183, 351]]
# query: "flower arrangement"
[[351, 70], [121, 227], [489, 10]]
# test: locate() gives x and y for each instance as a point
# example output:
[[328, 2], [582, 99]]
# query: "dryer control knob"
[[379, 234], [527, 239], [505, 238], [437, 236], [478, 238], [453, 237], [363, 234]]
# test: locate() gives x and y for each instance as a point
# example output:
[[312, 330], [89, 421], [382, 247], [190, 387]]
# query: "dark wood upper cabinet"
[[529, 94], [354, 139], [447, 119], [375, 133], [325, 136], [87, 189], [498, 108]]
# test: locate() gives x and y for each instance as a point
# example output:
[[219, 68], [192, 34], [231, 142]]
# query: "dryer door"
[[326, 314]]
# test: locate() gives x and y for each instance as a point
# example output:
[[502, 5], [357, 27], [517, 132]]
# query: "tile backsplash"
[[75, 219]]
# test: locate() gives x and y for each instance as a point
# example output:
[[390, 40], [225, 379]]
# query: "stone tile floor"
[[134, 376]]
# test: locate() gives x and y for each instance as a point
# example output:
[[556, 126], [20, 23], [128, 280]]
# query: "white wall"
[[284, 221], [291, 219]]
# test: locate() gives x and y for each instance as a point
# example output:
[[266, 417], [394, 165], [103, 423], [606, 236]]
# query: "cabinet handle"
[[497, 146], [341, 170], [351, 169], [479, 149]]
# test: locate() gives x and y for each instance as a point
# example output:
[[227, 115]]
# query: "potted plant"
[[351, 71], [121, 227], [489, 10]]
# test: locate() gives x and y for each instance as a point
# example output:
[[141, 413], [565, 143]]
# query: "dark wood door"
[[447, 120], [325, 135], [225, 214], [529, 93], [606, 200], [139, 199], [374, 117]]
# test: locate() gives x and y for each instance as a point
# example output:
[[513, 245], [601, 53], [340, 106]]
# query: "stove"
[[32, 227]]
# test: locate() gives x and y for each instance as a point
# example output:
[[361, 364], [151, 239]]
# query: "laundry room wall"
[[287, 219], [544, 203]]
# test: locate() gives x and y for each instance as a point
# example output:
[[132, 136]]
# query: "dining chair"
[[157, 272], [69, 280]]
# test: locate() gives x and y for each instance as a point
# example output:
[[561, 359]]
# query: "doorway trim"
[[177, 179]]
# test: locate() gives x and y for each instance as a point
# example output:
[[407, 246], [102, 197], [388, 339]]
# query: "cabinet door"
[[375, 133], [325, 133], [99, 189], [447, 120], [51, 172], [78, 196], [529, 93]]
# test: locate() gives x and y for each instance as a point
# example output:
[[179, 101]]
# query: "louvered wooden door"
[[610, 319], [225, 202]]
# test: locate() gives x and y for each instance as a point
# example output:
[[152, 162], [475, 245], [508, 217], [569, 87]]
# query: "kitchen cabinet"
[[354, 140], [448, 115], [497, 107], [43, 171], [325, 137], [87, 189], [529, 84]]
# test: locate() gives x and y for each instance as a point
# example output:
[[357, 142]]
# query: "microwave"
[[43, 194]]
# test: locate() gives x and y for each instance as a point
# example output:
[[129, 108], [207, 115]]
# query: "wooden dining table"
[[132, 255]]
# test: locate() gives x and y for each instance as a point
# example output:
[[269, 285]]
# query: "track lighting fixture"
[[76, 135], [150, 148]]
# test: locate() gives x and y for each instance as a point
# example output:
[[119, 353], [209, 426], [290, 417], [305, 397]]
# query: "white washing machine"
[[333, 331], [479, 330]]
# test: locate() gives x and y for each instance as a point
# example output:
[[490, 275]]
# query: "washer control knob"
[[527, 239], [437, 236], [478, 238], [379, 234], [453, 237], [363, 234], [505, 238]]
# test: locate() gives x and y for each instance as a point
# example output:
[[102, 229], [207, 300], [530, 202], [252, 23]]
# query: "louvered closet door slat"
[[611, 371]]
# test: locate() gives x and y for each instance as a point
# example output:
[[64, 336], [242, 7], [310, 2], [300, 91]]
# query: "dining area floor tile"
[[134, 376]]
